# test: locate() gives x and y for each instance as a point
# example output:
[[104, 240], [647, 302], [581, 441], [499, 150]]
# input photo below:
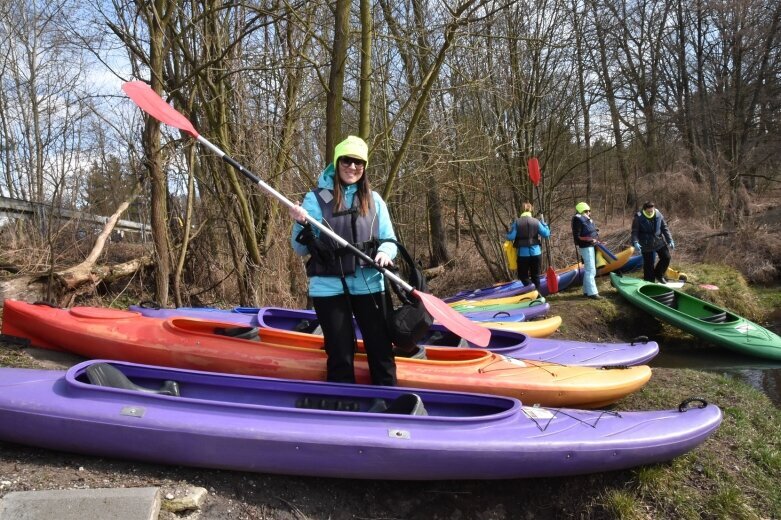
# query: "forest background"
[[678, 101]]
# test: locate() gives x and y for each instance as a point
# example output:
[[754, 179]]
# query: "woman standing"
[[525, 233], [585, 234], [341, 284]]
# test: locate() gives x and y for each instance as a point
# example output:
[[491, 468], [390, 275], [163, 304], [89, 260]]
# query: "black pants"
[[333, 313], [529, 270], [651, 272]]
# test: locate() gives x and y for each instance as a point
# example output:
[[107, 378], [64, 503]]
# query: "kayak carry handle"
[[686, 402]]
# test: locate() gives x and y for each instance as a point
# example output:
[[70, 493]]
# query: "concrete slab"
[[78, 504]]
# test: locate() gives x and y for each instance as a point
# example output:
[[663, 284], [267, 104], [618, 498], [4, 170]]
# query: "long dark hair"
[[364, 193]]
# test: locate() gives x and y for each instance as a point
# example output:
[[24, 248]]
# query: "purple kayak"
[[501, 290], [505, 342], [508, 343], [204, 419]]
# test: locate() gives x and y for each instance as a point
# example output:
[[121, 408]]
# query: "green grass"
[[622, 504], [733, 294], [769, 297], [729, 475]]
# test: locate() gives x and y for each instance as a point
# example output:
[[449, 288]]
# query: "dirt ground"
[[235, 495]]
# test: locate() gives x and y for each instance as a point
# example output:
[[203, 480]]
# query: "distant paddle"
[[151, 103], [605, 251], [535, 176]]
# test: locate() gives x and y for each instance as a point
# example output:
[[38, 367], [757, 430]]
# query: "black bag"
[[407, 325], [410, 322]]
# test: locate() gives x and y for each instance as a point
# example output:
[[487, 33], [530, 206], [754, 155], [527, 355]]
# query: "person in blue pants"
[[586, 234]]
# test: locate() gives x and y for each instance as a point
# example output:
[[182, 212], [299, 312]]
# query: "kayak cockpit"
[[236, 391], [692, 307], [437, 336]]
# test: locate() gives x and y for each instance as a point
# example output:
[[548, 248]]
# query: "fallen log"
[[62, 287]]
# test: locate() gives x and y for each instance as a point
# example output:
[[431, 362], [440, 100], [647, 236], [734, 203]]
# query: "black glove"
[[317, 248]]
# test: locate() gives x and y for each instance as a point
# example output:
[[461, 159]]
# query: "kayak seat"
[[407, 404], [103, 374], [328, 403], [719, 317], [250, 333], [416, 353], [306, 326], [667, 298]]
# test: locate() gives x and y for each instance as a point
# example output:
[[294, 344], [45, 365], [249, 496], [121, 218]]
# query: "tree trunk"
[[333, 107], [367, 32]]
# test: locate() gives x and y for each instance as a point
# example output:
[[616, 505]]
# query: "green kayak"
[[699, 317]]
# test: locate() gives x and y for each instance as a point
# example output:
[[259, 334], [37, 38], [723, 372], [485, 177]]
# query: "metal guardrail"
[[22, 208]]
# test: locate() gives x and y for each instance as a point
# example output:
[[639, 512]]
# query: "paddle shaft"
[[150, 102], [547, 243], [284, 200]]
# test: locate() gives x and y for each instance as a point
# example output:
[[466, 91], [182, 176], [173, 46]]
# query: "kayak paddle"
[[151, 103], [605, 251], [550, 274]]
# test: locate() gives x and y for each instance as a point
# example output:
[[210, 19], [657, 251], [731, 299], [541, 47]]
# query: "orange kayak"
[[198, 344]]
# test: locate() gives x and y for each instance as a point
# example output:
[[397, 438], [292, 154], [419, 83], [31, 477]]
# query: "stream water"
[[764, 375]]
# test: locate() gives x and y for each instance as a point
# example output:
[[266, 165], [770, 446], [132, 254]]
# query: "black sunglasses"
[[348, 161]]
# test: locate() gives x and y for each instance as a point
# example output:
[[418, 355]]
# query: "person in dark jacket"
[[650, 236], [586, 234], [525, 234], [341, 284]]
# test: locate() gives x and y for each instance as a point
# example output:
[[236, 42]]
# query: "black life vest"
[[587, 230], [527, 232], [359, 230]]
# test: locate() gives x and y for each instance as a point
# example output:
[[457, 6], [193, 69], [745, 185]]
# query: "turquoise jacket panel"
[[365, 280]]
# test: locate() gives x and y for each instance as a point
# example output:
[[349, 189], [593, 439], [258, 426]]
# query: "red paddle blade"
[[534, 171], [553, 280], [454, 321], [151, 103]]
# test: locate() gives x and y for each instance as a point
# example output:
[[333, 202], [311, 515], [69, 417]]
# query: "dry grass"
[[466, 271]]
